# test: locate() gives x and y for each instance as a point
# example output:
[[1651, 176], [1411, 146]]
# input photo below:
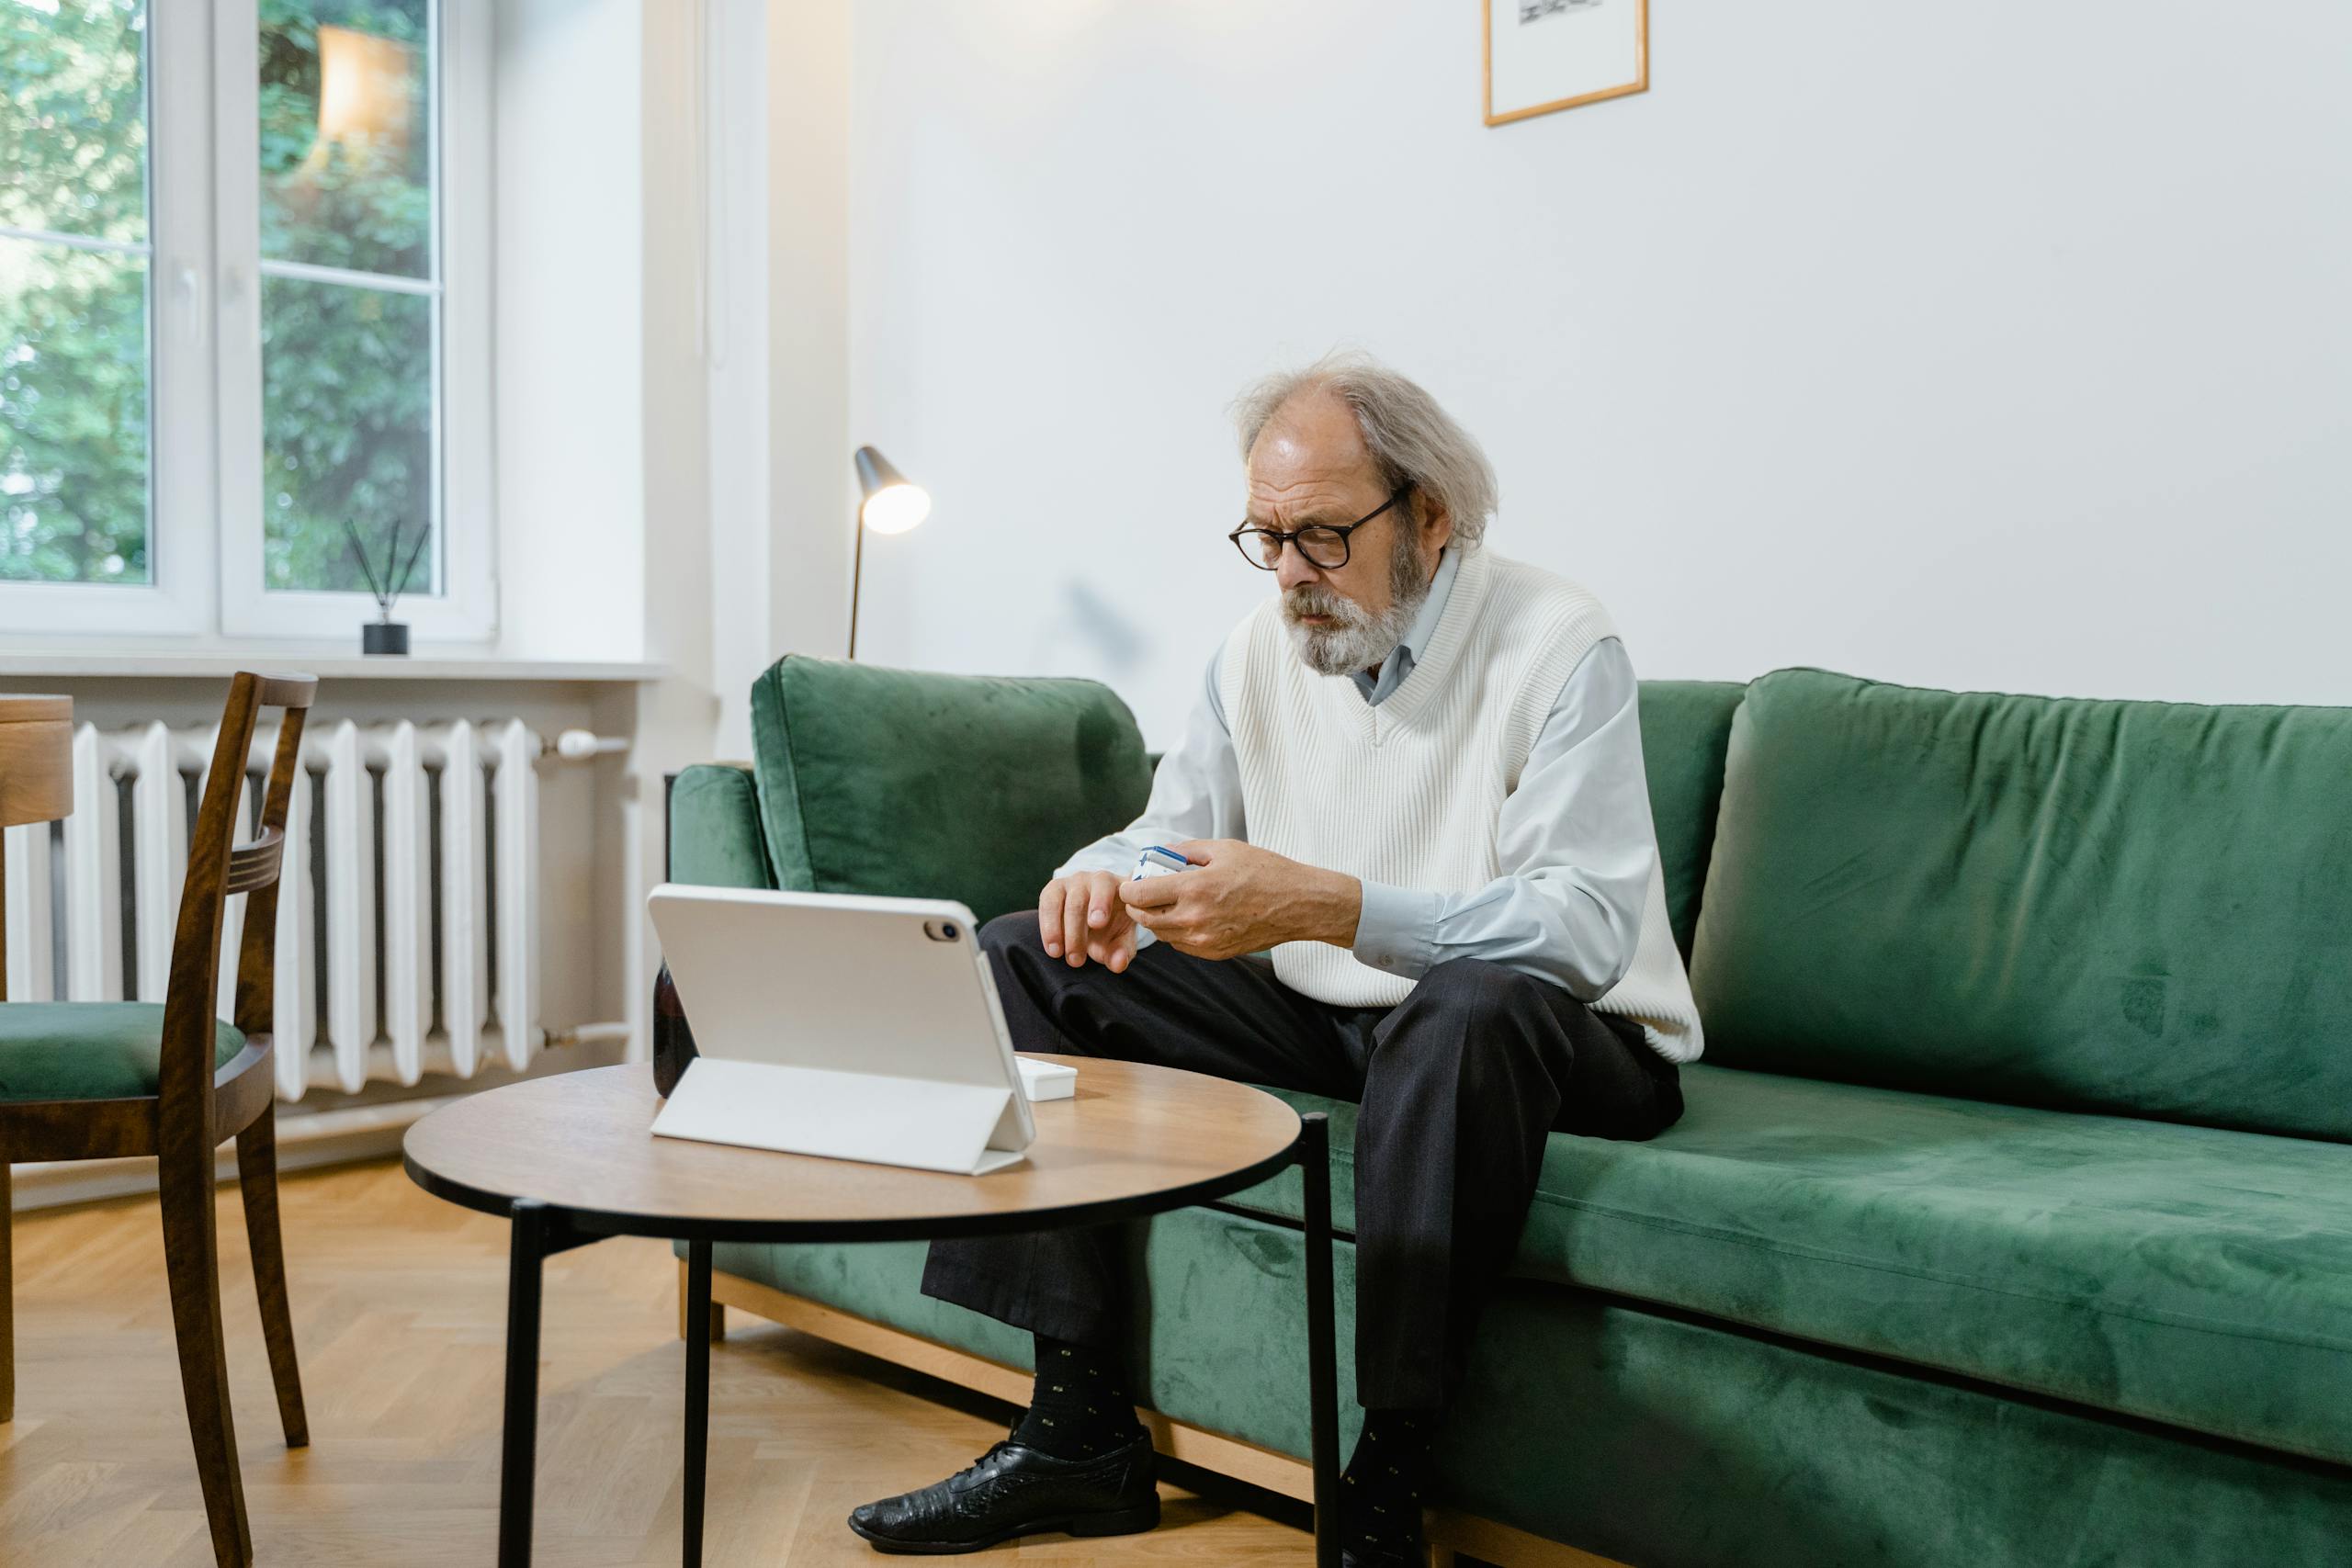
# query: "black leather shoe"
[[1014, 1490]]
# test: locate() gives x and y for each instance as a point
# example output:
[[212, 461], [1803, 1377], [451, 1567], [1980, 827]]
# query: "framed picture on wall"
[[1555, 54]]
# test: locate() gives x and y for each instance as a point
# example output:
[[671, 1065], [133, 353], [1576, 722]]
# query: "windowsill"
[[310, 658]]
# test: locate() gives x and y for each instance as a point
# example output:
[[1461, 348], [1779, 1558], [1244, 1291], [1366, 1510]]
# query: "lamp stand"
[[856, 572]]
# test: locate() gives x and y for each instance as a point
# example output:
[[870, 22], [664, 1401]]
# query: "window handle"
[[188, 292]]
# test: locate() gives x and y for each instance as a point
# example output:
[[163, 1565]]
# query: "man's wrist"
[[1338, 904]]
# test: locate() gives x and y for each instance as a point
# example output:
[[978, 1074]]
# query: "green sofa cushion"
[[1653, 1439], [714, 838], [89, 1050], [1686, 725], [2185, 1274], [937, 786], [2135, 908]]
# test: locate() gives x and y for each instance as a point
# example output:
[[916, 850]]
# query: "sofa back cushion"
[[2130, 907], [936, 787], [1685, 727]]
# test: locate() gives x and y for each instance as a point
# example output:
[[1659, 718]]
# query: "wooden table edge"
[[598, 1222], [942, 1227]]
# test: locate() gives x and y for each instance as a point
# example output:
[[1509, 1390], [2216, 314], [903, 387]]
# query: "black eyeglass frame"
[[1282, 537]]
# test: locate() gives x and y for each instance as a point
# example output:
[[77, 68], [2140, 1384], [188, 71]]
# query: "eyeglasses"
[[1324, 545]]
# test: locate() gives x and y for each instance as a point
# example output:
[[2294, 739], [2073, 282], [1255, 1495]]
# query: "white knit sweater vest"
[[1409, 792]]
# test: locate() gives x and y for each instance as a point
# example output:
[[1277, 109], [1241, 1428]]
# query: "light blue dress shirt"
[[1574, 842]]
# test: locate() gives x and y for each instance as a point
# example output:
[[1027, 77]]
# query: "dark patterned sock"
[[1080, 1407], [1380, 1493]]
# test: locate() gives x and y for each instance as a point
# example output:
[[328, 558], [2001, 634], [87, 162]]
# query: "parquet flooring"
[[399, 1312]]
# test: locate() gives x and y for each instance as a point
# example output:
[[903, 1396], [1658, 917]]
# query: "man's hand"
[[1079, 917], [1240, 898]]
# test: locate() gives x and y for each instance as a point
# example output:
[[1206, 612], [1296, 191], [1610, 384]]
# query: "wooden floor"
[[400, 1310]]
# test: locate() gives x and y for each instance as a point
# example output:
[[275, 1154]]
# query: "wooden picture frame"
[[1603, 48]]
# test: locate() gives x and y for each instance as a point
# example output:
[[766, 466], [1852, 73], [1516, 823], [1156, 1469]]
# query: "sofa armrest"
[[714, 835]]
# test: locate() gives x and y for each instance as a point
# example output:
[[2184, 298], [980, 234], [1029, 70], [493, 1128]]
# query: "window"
[[243, 325], [76, 261]]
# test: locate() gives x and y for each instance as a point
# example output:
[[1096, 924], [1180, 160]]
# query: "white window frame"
[[205, 483], [462, 603], [178, 599]]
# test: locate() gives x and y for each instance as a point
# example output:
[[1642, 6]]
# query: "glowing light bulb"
[[896, 508]]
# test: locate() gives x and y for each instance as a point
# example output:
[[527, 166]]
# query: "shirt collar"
[[1400, 664]]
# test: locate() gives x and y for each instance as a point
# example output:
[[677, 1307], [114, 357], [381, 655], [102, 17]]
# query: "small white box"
[[1045, 1081]]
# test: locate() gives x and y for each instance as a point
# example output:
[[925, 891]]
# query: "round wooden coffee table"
[[569, 1159]]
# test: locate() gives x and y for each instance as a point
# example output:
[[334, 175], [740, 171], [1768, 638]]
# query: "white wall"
[[609, 472], [1925, 343], [736, 294], [570, 316], [809, 284]]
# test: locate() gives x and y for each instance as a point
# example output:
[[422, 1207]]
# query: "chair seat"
[[89, 1050], [2188, 1275]]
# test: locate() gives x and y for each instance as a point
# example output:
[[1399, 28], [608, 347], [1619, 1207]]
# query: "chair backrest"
[[217, 868]]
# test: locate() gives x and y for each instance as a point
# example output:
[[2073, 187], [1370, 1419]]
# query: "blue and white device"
[[1158, 861]]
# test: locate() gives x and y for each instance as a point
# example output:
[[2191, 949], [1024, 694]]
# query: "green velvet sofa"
[[2010, 1222]]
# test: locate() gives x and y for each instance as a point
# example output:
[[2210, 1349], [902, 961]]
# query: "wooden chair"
[[100, 1080]]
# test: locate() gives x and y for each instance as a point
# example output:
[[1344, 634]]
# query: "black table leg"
[[1322, 1355], [517, 1467], [698, 1391]]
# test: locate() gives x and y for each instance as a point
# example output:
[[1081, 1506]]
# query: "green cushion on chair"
[[937, 786], [89, 1050]]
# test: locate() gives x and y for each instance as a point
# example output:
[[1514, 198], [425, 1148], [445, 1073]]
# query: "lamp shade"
[[890, 505]]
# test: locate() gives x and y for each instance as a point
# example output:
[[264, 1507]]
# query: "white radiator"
[[434, 968]]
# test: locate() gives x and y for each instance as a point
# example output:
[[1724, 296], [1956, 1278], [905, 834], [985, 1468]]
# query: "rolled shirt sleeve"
[[1575, 847]]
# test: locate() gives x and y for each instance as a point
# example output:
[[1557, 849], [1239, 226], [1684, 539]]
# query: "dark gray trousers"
[[1458, 1087]]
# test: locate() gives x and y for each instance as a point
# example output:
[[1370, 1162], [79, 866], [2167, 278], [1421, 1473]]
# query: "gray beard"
[[1362, 639]]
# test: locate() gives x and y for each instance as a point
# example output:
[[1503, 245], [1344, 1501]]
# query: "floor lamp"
[[887, 505]]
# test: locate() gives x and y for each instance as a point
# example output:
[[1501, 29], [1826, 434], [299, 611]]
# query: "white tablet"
[[852, 1027]]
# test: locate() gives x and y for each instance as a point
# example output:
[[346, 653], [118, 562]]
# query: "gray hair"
[[1409, 436]]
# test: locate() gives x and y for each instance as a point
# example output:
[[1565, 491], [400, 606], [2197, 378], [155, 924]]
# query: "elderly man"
[[1414, 775]]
